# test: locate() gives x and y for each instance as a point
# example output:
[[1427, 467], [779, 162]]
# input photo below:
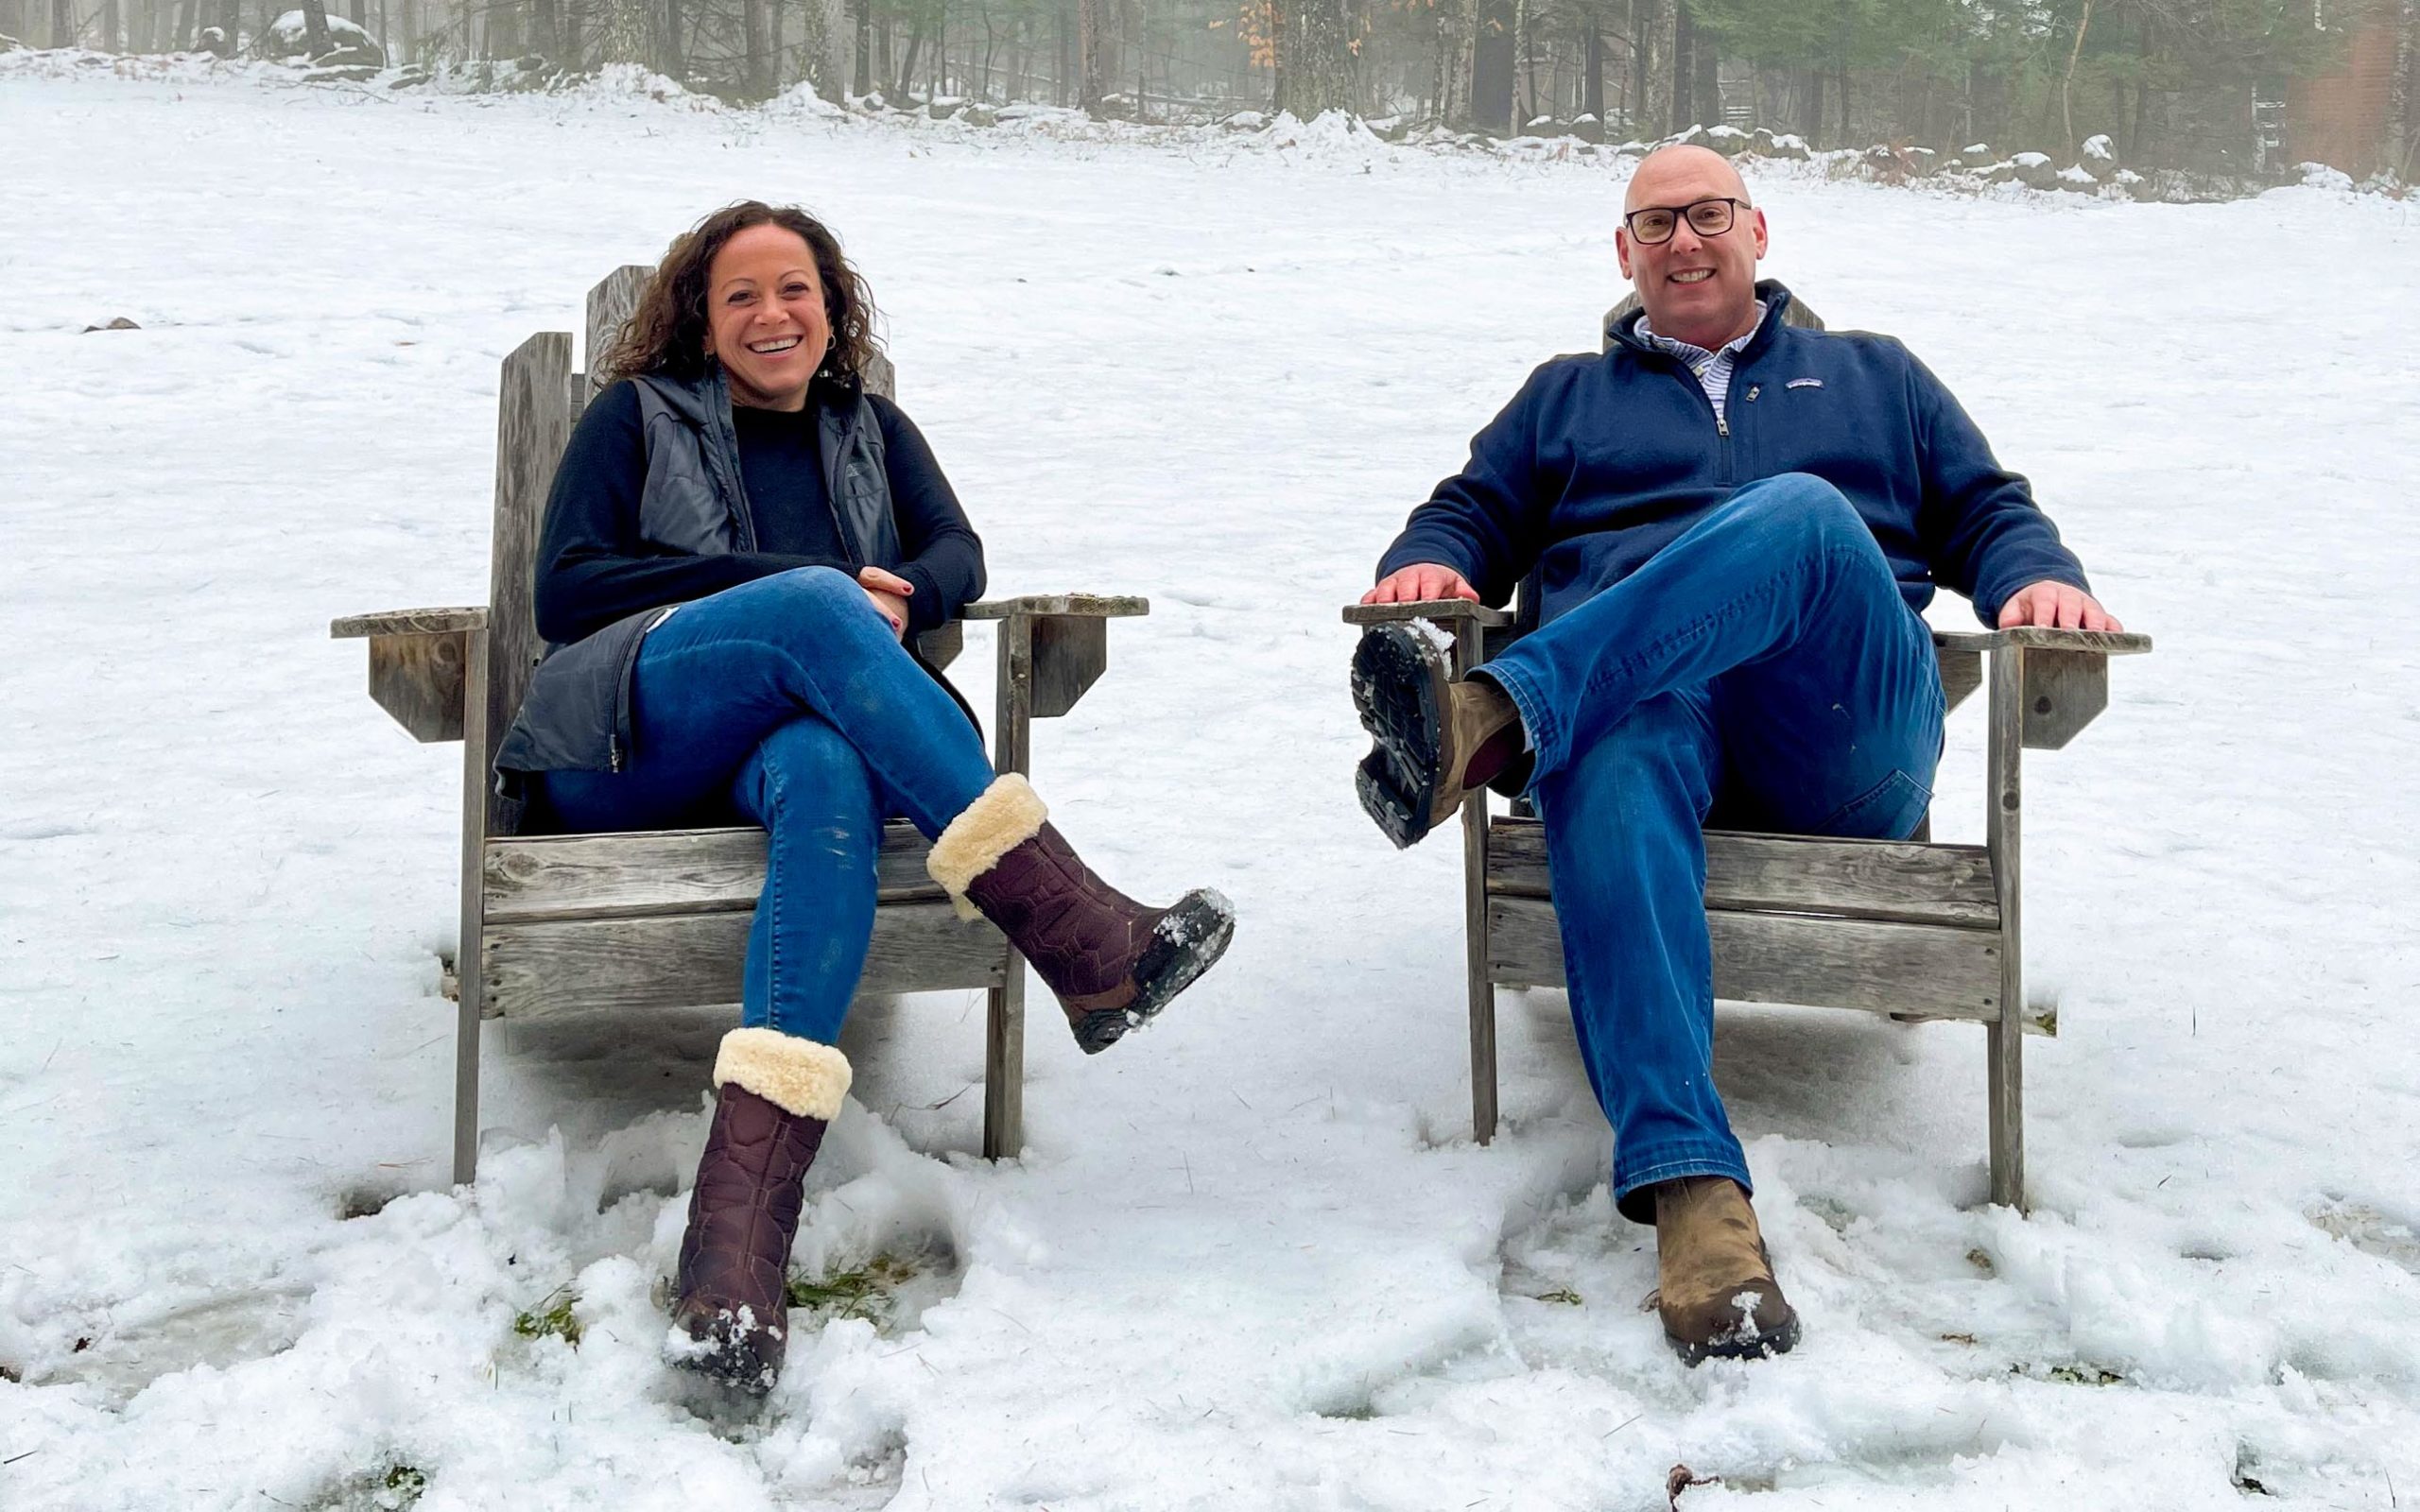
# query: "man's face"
[[1697, 288]]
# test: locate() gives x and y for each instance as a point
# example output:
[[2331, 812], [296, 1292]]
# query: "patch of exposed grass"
[[1563, 1295], [868, 1292], [2070, 1375], [399, 1488], [551, 1318]]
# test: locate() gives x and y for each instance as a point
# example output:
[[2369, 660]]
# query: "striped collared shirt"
[[1713, 369]]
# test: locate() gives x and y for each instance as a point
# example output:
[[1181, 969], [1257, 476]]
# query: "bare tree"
[[1491, 50], [1090, 89], [1315, 57], [315, 29]]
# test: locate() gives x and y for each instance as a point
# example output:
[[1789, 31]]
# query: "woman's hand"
[[889, 592]]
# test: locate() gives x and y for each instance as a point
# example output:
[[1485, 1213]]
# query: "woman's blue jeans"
[[1762, 669], [788, 701]]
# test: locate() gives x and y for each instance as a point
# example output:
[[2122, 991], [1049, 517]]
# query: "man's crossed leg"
[[1762, 669]]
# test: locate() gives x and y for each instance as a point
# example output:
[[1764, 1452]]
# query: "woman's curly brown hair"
[[666, 333]]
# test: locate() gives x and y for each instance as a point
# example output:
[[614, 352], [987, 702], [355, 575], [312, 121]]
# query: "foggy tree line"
[[2173, 82]]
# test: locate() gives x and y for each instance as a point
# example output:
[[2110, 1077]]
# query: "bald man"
[[1735, 523]]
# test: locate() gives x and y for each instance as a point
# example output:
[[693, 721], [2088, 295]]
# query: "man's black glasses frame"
[[1654, 225]]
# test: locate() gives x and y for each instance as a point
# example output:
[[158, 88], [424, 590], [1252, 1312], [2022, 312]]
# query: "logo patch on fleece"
[[1803, 383]]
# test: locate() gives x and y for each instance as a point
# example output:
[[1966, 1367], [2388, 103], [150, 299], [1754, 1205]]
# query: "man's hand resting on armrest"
[[2051, 606], [1424, 582]]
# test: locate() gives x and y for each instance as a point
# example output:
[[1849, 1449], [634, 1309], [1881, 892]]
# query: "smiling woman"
[[738, 541]]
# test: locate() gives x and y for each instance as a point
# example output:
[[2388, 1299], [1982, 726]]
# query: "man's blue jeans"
[[787, 701], [1762, 668]]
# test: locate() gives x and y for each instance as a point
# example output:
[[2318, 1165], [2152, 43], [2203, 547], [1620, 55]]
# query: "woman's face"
[[765, 319]]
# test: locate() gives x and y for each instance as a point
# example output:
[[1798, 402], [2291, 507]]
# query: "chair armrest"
[[1440, 610], [2066, 684], [409, 622], [417, 661], [1053, 648], [2036, 638], [1077, 606]]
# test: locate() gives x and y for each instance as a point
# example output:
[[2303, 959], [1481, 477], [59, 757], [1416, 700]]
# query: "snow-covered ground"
[[1252, 1258]]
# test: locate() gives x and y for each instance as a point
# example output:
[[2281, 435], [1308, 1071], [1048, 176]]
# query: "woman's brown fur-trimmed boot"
[[1717, 1294], [777, 1095], [1113, 962]]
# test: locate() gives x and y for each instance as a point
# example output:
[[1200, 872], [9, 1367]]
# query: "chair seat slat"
[[648, 872], [1905, 882], [694, 960]]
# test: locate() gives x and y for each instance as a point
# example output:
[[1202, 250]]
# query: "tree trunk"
[[1492, 67], [1526, 105], [110, 26], [671, 65], [861, 74], [1813, 118], [908, 60], [2068, 83], [1705, 96], [64, 30], [1090, 82], [1315, 63], [2403, 108], [505, 39], [1592, 73], [752, 63], [315, 27], [1684, 36], [1646, 29]]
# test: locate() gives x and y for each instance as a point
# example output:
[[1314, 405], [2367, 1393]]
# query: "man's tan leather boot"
[[1432, 739], [1717, 1294]]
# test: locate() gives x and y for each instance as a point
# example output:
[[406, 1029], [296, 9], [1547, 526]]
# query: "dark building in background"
[[2363, 115]]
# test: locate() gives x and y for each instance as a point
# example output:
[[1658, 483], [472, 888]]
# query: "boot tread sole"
[[1398, 690], [1186, 941]]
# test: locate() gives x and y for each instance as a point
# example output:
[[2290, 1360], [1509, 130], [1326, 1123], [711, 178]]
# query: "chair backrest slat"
[[610, 304], [533, 424]]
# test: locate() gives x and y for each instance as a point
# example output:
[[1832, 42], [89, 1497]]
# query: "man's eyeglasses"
[[1654, 225]]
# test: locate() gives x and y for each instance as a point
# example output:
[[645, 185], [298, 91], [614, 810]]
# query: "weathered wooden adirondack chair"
[[659, 919], [1911, 929]]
